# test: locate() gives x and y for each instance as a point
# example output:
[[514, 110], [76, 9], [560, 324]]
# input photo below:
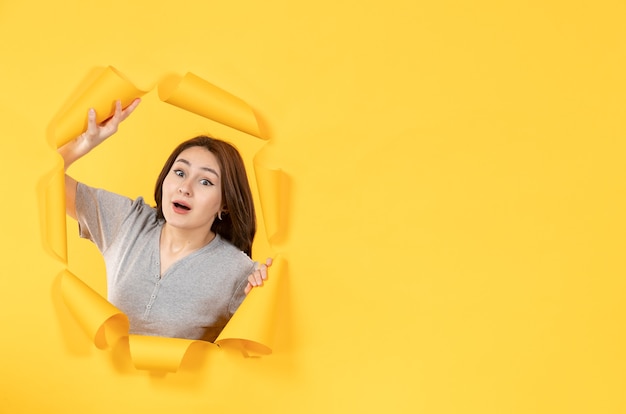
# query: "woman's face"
[[192, 190]]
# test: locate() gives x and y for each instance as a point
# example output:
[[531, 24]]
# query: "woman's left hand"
[[258, 276]]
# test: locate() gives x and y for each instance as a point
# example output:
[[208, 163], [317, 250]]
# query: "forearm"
[[74, 150]]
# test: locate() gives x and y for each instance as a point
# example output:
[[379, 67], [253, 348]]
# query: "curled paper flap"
[[109, 87], [274, 195], [196, 95], [251, 329], [103, 322], [54, 213], [156, 353]]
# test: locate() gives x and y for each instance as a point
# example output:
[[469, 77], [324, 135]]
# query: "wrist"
[[74, 149]]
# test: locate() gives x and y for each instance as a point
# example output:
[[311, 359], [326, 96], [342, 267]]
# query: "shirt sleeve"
[[239, 294], [100, 214]]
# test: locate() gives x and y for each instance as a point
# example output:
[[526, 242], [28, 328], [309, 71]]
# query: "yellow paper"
[[52, 193], [457, 199], [155, 353], [251, 329], [196, 95], [109, 87], [93, 312], [274, 195]]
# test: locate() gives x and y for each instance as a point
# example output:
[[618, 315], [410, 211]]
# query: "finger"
[[109, 125], [130, 108], [92, 126], [248, 288], [251, 280], [263, 268], [263, 271], [117, 114], [256, 278]]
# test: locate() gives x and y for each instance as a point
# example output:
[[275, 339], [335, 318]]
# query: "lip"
[[176, 207]]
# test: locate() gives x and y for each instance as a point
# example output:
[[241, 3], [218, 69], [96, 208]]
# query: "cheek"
[[169, 185], [213, 202], [166, 193]]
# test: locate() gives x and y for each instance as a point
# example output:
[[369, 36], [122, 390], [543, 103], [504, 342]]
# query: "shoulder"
[[227, 248], [86, 195], [231, 257]]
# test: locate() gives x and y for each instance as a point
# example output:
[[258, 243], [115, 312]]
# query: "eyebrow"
[[184, 161]]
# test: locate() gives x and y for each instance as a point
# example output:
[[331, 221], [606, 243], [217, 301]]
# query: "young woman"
[[182, 268]]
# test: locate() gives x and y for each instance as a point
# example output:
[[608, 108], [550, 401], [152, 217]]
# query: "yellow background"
[[456, 201]]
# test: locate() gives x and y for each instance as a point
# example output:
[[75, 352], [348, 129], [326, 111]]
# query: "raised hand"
[[97, 133], [258, 276], [85, 142]]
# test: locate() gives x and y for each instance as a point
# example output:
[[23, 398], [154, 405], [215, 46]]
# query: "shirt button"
[[153, 296], [149, 306]]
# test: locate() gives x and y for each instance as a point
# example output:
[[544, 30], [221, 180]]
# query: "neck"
[[178, 241]]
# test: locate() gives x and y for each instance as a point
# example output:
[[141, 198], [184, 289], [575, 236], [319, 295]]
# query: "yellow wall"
[[456, 211]]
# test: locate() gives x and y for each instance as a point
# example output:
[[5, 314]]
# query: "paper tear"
[[196, 95], [251, 329], [273, 186]]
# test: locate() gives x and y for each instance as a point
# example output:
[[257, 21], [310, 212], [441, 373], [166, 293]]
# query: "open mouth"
[[181, 206]]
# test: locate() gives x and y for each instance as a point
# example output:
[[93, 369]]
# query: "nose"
[[184, 188]]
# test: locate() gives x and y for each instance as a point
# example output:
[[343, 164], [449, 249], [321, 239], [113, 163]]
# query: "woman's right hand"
[[97, 133], [85, 142]]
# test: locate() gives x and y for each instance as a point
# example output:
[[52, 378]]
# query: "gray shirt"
[[196, 296]]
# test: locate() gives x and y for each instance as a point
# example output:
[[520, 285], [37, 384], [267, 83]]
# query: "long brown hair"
[[238, 225]]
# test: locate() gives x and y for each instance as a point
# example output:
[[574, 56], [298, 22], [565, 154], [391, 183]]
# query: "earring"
[[219, 215]]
